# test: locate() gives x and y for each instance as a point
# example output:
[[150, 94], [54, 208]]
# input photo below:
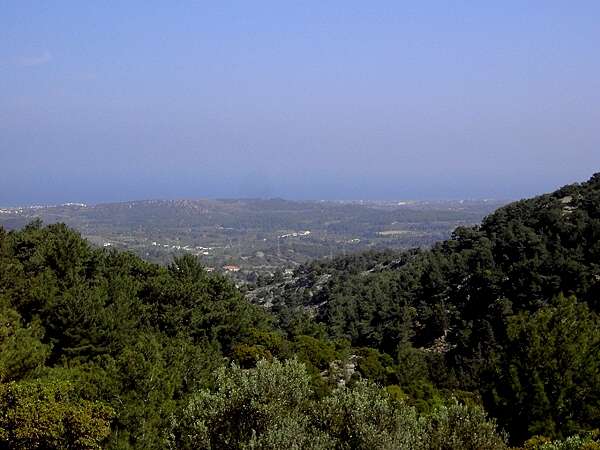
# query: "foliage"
[[131, 335], [46, 415], [366, 417], [481, 313], [244, 405], [588, 441], [462, 427], [21, 351], [100, 348], [552, 379], [271, 406]]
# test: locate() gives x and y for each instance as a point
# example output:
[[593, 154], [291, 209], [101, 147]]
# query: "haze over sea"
[[334, 100]]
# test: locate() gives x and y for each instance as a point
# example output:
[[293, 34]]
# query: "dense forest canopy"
[[489, 338]]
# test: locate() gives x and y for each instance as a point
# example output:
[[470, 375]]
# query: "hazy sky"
[[103, 101]]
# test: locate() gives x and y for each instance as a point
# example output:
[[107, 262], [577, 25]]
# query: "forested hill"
[[100, 349], [529, 250], [507, 309], [491, 335]]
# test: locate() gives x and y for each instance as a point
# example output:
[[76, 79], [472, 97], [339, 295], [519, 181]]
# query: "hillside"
[[507, 309], [100, 349], [552, 234], [488, 338]]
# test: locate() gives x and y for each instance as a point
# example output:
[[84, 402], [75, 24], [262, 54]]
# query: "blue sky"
[[104, 101]]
